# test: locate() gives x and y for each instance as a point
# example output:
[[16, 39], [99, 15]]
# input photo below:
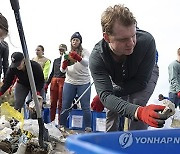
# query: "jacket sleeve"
[[46, 69], [51, 74], [85, 58], [8, 79], [38, 75], [5, 62], [173, 76], [61, 69]]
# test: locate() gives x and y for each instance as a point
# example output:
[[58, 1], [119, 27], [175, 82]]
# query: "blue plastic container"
[[133, 142], [98, 121], [46, 115], [76, 120]]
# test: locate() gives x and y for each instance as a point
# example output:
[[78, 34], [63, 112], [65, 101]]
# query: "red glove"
[[38, 93], [65, 64], [1, 93], [46, 87], [75, 56], [149, 114], [178, 94], [97, 105], [13, 82], [10, 90]]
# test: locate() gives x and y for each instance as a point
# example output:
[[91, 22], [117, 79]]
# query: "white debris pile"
[[22, 136]]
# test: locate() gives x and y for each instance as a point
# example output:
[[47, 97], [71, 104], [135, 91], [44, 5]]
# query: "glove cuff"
[[79, 58], [139, 112]]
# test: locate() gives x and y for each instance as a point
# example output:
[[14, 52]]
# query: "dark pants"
[[173, 98], [20, 94]]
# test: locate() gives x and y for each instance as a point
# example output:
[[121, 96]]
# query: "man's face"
[[39, 51], [22, 65], [123, 39], [61, 51]]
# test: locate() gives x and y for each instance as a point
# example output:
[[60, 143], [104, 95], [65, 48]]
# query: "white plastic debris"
[[32, 126], [4, 123]]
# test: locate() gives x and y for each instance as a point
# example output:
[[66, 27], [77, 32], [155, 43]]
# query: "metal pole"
[[42, 130]]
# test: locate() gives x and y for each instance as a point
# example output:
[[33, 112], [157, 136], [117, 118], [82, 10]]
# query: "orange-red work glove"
[[10, 90], [97, 105], [178, 94], [75, 56], [38, 93], [46, 87], [65, 64], [149, 114]]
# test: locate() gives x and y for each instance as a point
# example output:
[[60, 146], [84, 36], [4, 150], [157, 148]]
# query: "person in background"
[[77, 80], [4, 48], [45, 65], [162, 97], [124, 57], [56, 79], [174, 80], [22, 87]]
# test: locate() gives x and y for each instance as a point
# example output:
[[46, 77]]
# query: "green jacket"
[[45, 65]]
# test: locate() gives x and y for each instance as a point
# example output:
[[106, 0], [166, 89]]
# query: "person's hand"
[[10, 90], [1, 93], [97, 105], [149, 114], [178, 94], [38, 93], [46, 87], [65, 64], [74, 55]]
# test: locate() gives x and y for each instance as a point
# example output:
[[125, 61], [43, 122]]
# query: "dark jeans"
[[173, 98], [20, 94]]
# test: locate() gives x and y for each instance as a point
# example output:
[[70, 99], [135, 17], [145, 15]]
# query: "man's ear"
[[106, 37]]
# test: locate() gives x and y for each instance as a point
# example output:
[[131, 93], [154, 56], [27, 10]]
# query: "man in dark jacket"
[[22, 88], [4, 55], [121, 65]]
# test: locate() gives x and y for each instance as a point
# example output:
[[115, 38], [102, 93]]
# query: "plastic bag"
[[176, 119], [10, 112]]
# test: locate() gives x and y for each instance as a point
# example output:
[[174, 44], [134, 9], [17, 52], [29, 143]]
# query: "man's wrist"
[[136, 114]]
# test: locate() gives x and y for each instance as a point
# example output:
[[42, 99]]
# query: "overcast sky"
[[51, 22]]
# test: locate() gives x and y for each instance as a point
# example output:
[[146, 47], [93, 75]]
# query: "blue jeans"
[[69, 93], [173, 98]]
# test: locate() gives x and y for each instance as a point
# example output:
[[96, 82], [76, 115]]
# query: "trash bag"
[[9, 112]]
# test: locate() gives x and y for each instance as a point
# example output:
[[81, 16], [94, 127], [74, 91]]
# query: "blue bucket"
[[46, 115], [165, 141]]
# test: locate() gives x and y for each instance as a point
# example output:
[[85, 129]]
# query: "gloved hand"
[[1, 93], [74, 55], [10, 90], [149, 114], [38, 93], [65, 64], [46, 87], [178, 94], [97, 105]]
